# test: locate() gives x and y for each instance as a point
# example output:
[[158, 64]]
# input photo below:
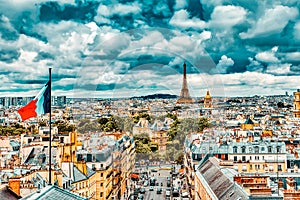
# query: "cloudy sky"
[[137, 47]]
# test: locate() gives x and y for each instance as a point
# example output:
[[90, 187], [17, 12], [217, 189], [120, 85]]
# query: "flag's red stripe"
[[28, 111]]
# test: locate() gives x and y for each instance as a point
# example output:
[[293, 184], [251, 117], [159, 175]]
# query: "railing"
[[107, 196], [108, 175]]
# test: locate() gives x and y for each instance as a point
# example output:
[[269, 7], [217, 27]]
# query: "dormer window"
[[234, 149], [256, 149], [269, 149], [278, 149], [243, 149]]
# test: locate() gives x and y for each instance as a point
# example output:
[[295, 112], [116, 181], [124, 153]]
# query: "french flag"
[[39, 105]]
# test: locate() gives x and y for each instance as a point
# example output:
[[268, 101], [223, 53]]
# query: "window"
[[250, 167], [250, 157], [234, 149], [101, 194], [279, 168], [235, 158], [101, 184], [244, 168], [101, 174], [269, 149], [243, 158], [262, 149], [278, 149], [243, 149], [256, 149]]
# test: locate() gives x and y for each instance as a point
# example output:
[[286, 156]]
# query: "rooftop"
[[52, 192]]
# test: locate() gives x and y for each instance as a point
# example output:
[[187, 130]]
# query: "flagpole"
[[50, 145]]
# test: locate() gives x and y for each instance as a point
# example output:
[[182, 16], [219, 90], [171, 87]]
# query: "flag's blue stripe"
[[40, 101]]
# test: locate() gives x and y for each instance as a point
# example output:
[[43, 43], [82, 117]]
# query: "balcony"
[[109, 175], [109, 194], [274, 161]]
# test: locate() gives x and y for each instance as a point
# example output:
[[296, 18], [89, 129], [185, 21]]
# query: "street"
[[159, 184]]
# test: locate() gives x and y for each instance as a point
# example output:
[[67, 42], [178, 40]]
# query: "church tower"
[[296, 110], [207, 100], [184, 94]]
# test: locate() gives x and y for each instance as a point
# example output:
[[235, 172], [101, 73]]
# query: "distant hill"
[[156, 96]]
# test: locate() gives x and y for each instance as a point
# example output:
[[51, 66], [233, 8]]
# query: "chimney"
[[14, 184], [280, 183], [250, 138], [38, 189], [81, 165], [59, 177]]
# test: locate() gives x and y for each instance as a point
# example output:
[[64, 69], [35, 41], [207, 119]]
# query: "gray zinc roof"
[[52, 192], [219, 182]]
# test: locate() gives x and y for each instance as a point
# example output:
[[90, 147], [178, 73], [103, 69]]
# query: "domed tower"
[[207, 100]]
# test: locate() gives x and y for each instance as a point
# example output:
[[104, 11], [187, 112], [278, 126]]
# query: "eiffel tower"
[[184, 94]]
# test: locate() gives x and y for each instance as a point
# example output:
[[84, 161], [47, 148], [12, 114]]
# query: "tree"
[[179, 159], [172, 116], [87, 126], [124, 123], [172, 132], [102, 121], [64, 127], [203, 123], [141, 115], [143, 137], [82, 122]]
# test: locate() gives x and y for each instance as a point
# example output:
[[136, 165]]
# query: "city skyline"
[[109, 50]]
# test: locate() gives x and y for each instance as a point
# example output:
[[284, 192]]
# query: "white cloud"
[[272, 22], [222, 65], [279, 69], [227, 16], [268, 56], [126, 9], [293, 56], [181, 19], [104, 12]]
